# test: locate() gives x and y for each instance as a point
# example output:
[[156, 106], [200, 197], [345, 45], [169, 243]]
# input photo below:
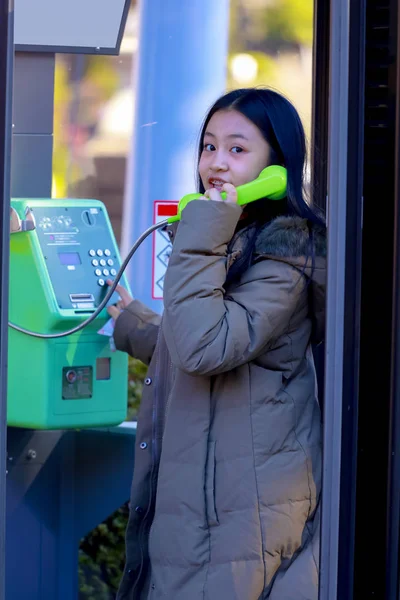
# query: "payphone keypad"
[[79, 252]]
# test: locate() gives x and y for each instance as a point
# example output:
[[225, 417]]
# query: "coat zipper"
[[168, 402]]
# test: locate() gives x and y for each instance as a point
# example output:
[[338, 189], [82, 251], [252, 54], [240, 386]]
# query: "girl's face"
[[234, 151]]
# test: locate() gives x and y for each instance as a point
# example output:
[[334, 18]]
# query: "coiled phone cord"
[[106, 297]]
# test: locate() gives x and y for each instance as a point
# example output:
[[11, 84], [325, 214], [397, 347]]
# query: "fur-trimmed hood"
[[293, 240], [290, 237]]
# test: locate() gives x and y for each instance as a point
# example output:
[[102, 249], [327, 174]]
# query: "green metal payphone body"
[[58, 275]]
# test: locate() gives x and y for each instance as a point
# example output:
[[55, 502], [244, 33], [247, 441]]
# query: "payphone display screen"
[[69, 258], [79, 253]]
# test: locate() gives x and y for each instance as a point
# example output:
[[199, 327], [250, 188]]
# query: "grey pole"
[[180, 72], [6, 66], [337, 201]]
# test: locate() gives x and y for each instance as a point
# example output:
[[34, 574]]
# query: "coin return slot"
[[75, 298]]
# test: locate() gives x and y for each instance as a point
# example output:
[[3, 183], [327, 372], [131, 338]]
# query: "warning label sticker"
[[162, 246]]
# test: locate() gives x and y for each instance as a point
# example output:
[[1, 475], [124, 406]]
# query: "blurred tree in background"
[[270, 45], [288, 22], [101, 558], [136, 375], [270, 26]]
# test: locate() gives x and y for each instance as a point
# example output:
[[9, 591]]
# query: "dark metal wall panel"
[[320, 101], [33, 93], [31, 169], [6, 64], [32, 148], [377, 317]]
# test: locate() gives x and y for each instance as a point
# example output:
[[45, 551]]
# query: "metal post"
[[337, 201], [6, 64], [180, 72]]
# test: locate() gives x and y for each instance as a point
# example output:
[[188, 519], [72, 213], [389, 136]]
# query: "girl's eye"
[[237, 149], [209, 147]]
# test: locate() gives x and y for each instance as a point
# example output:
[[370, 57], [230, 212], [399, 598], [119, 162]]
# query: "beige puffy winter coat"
[[227, 475]]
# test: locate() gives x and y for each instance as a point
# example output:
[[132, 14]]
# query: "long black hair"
[[281, 126]]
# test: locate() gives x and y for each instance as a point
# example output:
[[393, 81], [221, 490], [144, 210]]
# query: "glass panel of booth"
[[270, 43]]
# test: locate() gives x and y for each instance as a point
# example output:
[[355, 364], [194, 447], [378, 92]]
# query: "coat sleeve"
[[136, 331], [206, 331]]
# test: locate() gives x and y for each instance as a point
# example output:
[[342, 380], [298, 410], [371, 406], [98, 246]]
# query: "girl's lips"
[[216, 183]]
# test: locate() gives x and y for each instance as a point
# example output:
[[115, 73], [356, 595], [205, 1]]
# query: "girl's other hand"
[[115, 310]]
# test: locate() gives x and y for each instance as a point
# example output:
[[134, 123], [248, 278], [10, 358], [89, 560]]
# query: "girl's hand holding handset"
[[212, 194], [215, 194]]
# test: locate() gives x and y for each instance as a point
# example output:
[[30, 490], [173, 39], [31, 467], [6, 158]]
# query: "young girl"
[[226, 485]]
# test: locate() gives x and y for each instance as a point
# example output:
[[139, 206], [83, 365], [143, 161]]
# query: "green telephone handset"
[[271, 183]]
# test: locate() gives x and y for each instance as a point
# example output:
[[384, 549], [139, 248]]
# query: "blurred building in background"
[[270, 45]]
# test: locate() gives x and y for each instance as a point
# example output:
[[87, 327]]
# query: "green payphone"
[[62, 373], [60, 258]]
